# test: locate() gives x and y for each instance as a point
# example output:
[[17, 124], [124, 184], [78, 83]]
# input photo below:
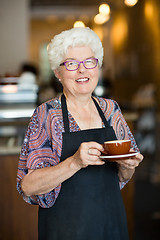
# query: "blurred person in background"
[[60, 168], [28, 75]]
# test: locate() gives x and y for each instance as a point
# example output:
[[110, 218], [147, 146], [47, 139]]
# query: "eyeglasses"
[[72, 65]]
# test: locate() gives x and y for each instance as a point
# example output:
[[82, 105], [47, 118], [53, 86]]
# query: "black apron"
[[89, 205]]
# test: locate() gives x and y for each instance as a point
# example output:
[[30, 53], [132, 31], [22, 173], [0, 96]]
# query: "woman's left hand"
[[132, 162], [127, 167]]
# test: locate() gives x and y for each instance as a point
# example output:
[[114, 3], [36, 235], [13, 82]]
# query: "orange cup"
[[116, 147]]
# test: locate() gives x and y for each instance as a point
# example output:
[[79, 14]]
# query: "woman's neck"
[[79, 102], [84, 111]]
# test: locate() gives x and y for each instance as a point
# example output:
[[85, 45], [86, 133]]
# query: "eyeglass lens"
[[74, 65]]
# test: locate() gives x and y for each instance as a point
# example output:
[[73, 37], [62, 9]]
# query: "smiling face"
[[81, 81]]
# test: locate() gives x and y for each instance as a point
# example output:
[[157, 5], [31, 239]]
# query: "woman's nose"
[[81, 67]]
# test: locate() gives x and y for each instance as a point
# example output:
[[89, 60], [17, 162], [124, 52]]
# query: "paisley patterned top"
[[43, 141]]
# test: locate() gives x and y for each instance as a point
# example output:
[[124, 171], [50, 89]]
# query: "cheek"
[[68, 75], [95, 73]]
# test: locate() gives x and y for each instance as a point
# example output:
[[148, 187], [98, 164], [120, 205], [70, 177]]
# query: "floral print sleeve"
[[41, 148]]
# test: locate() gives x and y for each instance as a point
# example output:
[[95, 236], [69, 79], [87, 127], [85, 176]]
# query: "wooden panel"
[[128, 190], [18, 219], [128, 198]]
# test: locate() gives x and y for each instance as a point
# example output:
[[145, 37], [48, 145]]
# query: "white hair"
[[57, 48]]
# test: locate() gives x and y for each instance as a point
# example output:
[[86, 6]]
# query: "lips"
[[82, 80]]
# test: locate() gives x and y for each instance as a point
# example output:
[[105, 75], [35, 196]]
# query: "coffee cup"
[[116, 147]]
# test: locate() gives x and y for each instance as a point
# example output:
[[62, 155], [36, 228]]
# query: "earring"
[[59, 79]]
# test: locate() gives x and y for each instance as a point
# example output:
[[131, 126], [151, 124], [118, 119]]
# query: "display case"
[[17, 103]]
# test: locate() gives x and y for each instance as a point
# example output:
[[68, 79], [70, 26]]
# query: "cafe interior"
[[130, 33]]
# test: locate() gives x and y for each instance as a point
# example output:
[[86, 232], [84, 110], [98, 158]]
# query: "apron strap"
[[65, 113], [101, 113]]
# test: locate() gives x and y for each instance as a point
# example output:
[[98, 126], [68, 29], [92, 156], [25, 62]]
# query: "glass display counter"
[[17, 103]]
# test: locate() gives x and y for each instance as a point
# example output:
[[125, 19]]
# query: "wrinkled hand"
[[132, 162], [88, 154]]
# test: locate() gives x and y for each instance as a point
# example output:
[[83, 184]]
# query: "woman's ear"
[[57, 74]]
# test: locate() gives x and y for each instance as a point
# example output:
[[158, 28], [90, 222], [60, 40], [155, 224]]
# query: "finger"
[[100, 162], [97, 162], [95, 145], [130, 163], [93, 160], [131, 150], [92, 151], [139, 157]]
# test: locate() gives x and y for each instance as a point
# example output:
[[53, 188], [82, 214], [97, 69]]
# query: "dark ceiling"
[[81, 3]]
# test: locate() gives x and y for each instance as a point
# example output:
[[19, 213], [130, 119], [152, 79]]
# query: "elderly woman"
[[60, 168]]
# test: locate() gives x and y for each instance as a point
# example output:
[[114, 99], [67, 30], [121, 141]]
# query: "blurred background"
[[130, 32]]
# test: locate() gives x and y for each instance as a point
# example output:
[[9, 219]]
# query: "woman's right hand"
[[88, 154]]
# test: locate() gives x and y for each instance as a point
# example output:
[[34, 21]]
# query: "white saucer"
[[118, 157]]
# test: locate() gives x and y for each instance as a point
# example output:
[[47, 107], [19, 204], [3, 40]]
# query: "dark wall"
[[137, 57]]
